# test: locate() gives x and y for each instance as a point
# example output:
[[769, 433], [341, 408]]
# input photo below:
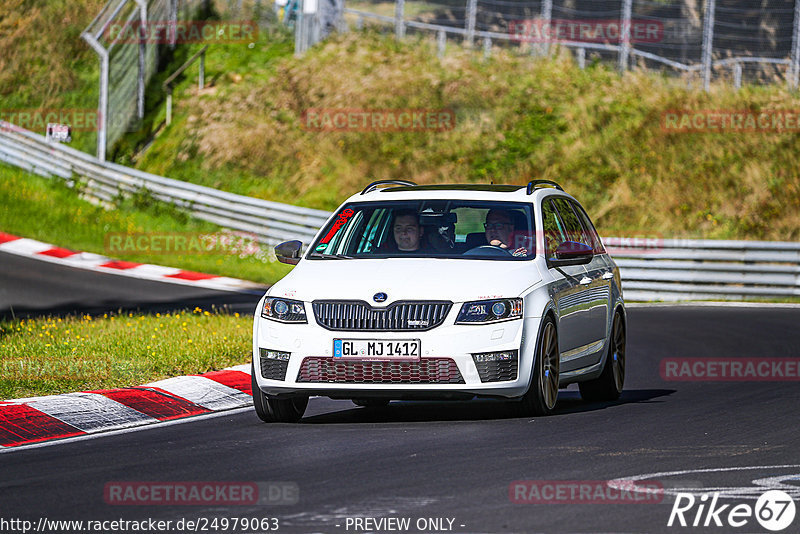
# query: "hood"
[[407, 279]]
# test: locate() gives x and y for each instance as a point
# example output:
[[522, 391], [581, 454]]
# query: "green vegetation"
[[517, 118], [48, 210], [54, 355], [45, 65]]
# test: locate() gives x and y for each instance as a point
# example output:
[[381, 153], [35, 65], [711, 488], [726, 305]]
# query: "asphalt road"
[[457, 460], [30, 287]]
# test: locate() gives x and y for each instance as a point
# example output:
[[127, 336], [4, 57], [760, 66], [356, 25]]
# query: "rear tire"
[[542, 394], [274, 410], [371, 403], [608, 386]]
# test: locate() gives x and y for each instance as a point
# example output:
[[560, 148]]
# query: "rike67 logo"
[[774, 510]]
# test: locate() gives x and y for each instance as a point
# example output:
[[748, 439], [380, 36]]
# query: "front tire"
[[274, 410], [608, 386], [542, 393]]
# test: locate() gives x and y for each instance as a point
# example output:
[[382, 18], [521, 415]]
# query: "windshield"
[[429, 228]]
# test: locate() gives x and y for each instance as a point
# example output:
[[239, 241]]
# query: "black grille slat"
[[497, 371], [273, 369], [354, 316]]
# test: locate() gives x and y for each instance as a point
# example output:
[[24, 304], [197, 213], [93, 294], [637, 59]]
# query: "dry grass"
[[518, 118], [43, 55]]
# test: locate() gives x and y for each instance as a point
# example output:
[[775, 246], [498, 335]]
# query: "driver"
[[499, 227], [407, 231]]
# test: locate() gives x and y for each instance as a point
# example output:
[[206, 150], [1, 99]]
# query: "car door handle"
[[585, 281], [609, 275]]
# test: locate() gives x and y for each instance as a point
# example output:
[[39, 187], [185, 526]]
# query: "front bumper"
[[446, 368]]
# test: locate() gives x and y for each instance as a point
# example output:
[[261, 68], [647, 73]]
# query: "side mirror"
[[571, 253], [289, 252]]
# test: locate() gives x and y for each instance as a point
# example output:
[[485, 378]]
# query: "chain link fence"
[[727, 40], [129, 37]]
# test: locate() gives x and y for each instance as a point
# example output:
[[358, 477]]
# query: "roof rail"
[[374, 185], [534, 184]]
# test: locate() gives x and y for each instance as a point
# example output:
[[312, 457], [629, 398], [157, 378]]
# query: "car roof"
[[488, 192]]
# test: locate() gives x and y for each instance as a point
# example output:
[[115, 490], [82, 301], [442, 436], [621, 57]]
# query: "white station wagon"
[[443, 292]]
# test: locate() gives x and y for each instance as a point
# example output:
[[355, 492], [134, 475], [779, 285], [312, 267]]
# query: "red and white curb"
[[40, 419], [31, 248]]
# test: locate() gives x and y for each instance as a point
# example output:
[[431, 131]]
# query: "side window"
[[553, 231], [373, 231], [572, 225], [345, 240], [592, 239]]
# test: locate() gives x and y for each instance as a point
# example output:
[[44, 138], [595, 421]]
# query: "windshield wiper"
[[330, 256]]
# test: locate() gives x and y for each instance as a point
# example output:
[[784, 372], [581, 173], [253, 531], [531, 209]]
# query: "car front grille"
[[424, 371], [358, 316]]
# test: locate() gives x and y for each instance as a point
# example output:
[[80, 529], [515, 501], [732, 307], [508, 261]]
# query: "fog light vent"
[[274, 364], [497, 366]]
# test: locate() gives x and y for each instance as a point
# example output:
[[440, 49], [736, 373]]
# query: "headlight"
[[283, 310], [488, 311]]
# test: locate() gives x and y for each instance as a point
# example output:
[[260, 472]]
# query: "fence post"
[[625, 35], [169, 106], [547, 15], [794, 69], [582, 58], [298, 29], [201, 78], [472, 13], [441, 42], [142, 58], [487, 46], [708, 42], [173, 23], [102, 104], [399, 19], [737, 75]]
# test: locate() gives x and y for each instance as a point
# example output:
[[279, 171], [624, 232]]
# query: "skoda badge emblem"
[[379, 297]]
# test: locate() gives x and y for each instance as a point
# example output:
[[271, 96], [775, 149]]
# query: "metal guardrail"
[[272, 222], [652, 269], [704, 269]]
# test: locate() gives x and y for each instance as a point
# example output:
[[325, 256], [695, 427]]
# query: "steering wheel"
[[487, 250]]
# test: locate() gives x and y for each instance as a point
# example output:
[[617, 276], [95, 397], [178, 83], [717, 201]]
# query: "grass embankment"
[[46, 67], [44, 209], [56, 355], [517, 118], [44, 63]]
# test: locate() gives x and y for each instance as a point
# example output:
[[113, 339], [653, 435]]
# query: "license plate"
[[377, 349]]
